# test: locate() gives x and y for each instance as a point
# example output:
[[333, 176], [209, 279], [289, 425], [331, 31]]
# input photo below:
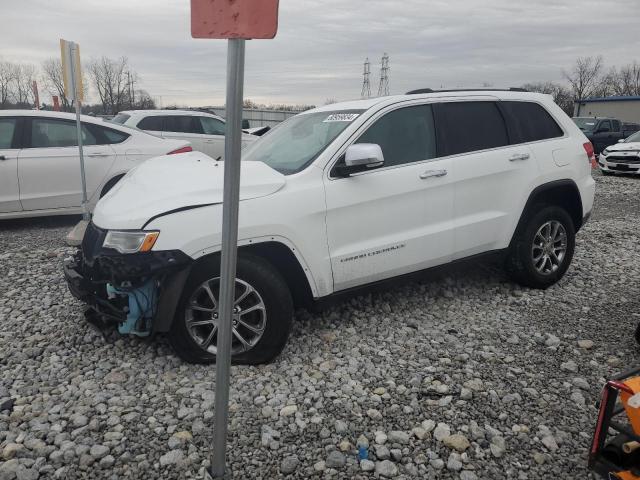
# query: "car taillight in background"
[[591, 154], [181, 150]]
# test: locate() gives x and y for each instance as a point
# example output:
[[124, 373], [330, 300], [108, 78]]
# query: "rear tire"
[[541, 251], [263, 318]]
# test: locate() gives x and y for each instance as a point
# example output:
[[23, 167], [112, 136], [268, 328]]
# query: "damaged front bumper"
[[138, 292]]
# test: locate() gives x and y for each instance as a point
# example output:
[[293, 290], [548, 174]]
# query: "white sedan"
[[40, 161], [204, 131]]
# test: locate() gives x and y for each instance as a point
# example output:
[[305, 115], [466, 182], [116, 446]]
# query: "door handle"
[[433, 173], [519, 156], [98, 154]]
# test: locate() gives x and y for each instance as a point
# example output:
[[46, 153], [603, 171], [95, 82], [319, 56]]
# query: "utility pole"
[[383, 87], [366, 84]]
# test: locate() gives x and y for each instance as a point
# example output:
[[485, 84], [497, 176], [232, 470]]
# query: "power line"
[[383, 87], [366, 84]]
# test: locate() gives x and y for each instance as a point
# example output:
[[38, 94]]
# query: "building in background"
[[626, 109], [257, 117]]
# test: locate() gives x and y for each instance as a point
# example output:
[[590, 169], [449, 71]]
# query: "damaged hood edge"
[[174, 183]]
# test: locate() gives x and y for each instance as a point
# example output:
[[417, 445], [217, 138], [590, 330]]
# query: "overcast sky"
[[321, 44]]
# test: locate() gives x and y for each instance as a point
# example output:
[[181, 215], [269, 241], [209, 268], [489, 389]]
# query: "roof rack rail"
[[429, 90]]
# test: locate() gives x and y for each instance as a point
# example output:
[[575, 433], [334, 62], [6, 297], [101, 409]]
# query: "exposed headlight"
[[605, 151], [130, 242]]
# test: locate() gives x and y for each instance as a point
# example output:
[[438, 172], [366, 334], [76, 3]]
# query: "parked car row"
[[603, 131], [40, 162], [204, 131], [336, 198]]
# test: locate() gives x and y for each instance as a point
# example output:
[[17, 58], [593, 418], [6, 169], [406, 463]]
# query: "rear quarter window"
[[110, 136], [529, 122], [469, 126]]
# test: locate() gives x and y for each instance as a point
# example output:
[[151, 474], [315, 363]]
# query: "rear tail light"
[[188, 149], [591, 154]]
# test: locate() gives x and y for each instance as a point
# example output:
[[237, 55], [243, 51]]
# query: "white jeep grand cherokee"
[[334, 198]]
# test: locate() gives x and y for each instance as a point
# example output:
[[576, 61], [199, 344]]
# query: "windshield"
[[633, 138], [295, 143], [120, 118], [585, 123]]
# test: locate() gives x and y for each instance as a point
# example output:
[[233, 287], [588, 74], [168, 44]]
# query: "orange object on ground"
[[632, 407], [624, 476]]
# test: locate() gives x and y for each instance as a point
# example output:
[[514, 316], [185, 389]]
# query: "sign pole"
[[231, 195]]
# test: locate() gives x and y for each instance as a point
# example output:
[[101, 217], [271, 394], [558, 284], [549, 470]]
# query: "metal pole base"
[[207, 474]]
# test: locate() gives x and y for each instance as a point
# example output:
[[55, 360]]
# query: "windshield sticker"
[[341, 117]]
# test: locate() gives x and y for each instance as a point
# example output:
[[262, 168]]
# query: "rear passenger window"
[[182, 124], [529, 122], [7, 127], [469, 126], [151, 123], [405, 135]]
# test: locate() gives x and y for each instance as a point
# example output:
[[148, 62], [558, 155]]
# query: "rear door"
[[9, 150], [489, 173], [49, 163]]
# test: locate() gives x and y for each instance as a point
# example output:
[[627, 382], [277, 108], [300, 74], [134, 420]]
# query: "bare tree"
[[111, 79], [7, 82], [143, 100], [561, 94], [52, 76], [629, 78], [584, 77], [25, 75]]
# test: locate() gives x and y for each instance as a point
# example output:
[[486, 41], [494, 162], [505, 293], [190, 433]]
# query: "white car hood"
[[172, 182], [624, 147]]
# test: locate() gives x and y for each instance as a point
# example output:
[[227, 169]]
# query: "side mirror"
[[359, 157]]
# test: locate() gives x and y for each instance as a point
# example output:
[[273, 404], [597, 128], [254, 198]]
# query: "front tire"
[[263, 312], [541, 252]]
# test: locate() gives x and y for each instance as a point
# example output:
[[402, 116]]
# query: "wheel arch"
[[285, 258], [109, 184], [563, 193]]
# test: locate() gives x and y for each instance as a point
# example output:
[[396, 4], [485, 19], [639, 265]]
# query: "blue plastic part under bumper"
[[142, 307]]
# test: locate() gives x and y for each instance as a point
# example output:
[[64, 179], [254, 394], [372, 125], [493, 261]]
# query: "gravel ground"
[[458, 375]]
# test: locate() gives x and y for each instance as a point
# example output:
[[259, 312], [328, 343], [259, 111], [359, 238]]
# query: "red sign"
[[234, 18]]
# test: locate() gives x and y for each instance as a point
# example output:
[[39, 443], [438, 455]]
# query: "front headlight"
[[130, 242], [605, 151]]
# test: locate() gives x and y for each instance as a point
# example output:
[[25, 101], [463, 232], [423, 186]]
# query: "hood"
[[172, 182], [624, 147]]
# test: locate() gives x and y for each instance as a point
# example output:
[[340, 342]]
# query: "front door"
[[9, 191], [395, 219]]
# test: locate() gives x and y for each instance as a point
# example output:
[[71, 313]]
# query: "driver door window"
[[405, 135], [605, 126]]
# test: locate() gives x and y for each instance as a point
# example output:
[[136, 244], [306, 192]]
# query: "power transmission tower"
[[366, 85], [383, 87]]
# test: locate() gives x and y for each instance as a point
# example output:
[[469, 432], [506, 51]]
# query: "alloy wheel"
[[249, 316], [549, 247]]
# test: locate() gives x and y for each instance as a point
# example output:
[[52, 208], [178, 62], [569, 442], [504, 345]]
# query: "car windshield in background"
[[120, 118], [294, 144], [633, 138], [585, 123]]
